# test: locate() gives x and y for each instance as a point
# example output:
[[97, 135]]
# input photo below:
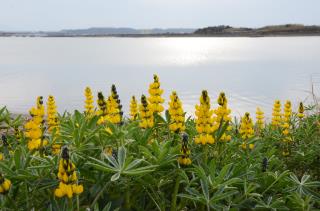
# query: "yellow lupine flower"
[[56, 149], [176, 114], [301, 110], [68, 177], [276, 114], [52, 113], [246, 126], [114, 108], [146, 114], [223, 115], [88, 103], [260, 118], [246, 130], [287, 111], [77, 189], [108, 130], [184, 158], [244, 146], [133, 108], [102, 105], [5, 185], [34, 127], [286, 118], [108, 151], [204, 120], [285, 153], [53, 124], [155, 98]]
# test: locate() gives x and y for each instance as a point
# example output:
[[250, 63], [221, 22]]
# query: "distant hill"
[[124, 31], [288, 29]]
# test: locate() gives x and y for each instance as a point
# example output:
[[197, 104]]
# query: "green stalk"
[[174, 194], [70, 207], [205, 155], [127, 199], [78, 203], [27, 196], [98, 195]]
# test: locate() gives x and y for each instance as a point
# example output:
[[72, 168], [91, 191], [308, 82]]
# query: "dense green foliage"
[[142, 172]]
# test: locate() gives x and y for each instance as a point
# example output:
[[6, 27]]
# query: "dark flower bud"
[[4, 140], [264, 164], [65, 153], [115, 154], [185, 138]]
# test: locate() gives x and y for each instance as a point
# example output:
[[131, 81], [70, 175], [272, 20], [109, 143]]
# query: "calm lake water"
[[252, 71]]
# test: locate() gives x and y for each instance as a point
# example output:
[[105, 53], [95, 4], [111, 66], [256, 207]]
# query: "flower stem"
[[174, 194]]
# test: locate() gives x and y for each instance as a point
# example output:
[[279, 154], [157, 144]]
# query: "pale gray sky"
[[64, 14]]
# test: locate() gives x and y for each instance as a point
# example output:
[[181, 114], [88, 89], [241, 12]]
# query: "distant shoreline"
[[166, 36], [287, 30]]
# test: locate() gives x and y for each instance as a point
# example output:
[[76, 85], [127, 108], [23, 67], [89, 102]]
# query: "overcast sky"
[[65, 14]]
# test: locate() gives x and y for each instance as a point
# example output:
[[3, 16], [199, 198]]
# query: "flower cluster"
[[52, 118], [286, 125], [204, 121], [176, 114], [286, 118], [301, 110], [34, 127], [184, 158], [68, 177], [53, 122], [246, 130], [146, 113], [133, 108], [276, 114], [88, 101], [223, 115], [260, 118], [155, 98], [5, 185], [114, 112]]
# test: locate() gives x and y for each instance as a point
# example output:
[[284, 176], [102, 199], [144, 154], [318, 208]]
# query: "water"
[[252, 71]]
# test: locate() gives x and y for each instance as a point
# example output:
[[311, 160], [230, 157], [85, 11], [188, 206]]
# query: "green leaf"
[[115, 177], [121, 157]]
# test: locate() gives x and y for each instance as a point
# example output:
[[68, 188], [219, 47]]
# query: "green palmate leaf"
[[304, 186], [121, 166], [205, 189], [140, 170], [115, 177], [223, 195], [270, 204], [277, 177], [6, 169], [133, 164], [121, 157], [101, 165], [112, 161], [224, 173], [232, 181], [39, 167], [192, 198]]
